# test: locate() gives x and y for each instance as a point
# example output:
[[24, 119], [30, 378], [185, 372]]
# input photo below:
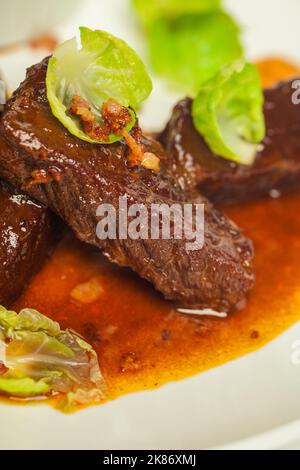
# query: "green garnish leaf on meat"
[[228, 112], [103, 69]]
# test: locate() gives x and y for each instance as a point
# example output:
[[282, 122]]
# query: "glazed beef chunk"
[[27, 234], [81, 175], [277, 166]]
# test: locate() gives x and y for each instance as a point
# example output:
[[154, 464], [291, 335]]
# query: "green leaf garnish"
[[40, 358], [190, 49], [149, 11], [104, 68], [23, 388], [228, 112]]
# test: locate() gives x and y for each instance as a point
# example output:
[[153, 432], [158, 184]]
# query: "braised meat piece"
[[277, 166], [73, 177], [27, 234]]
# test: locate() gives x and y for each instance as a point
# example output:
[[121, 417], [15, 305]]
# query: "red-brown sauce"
[[142, 342]]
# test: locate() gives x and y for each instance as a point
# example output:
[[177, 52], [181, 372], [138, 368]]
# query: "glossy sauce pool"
[[141, 341]]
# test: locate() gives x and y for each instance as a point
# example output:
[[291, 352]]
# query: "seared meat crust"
[[218, 276]]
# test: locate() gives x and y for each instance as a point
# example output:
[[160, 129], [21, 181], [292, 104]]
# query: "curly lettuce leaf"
[[8, 319], [23, 388], [40, 358], [32, 320], [190, 49], [149, 11], [228, 112], [103, 67]]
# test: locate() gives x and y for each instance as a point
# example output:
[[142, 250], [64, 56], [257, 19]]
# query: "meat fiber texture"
[[218, 276]]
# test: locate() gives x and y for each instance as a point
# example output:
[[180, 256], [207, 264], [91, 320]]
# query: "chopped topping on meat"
[[116, 116], [136, 150], [39, 177], [115, 120], [82, 109], [45, 177], [137, 155]]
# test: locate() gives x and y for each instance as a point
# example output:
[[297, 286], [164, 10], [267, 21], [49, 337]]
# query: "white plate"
[[43, 15], [249, 403]]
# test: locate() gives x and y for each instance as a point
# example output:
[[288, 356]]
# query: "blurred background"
[[29, 29]]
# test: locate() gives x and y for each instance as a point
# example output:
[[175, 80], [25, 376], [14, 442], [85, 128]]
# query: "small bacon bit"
[[44, 177], [82, 109], [137, 156], [97, 131], [115, 120], [117, 117], [39, 177]]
